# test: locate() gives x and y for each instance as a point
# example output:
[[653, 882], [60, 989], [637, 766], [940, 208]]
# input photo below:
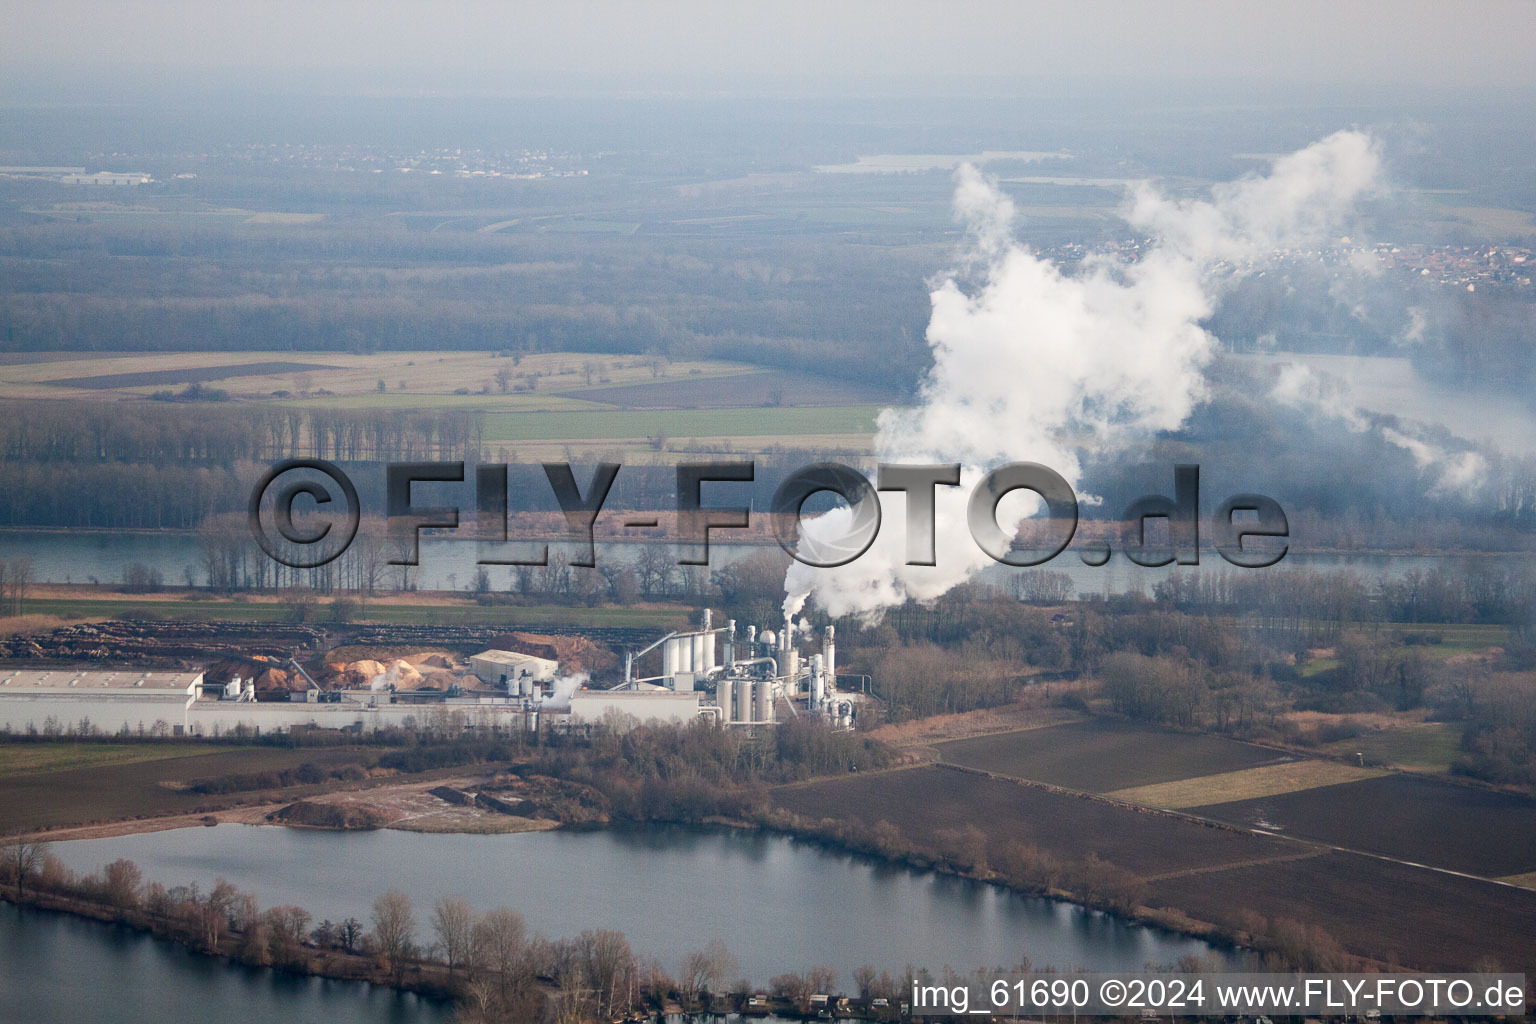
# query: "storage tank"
[[762, 701], [744, 701], [723, 698], [668, 657], [684, 654], [697, 643], [709, 651]]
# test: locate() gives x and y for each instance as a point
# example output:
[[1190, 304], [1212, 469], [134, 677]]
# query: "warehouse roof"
[[58, 680]]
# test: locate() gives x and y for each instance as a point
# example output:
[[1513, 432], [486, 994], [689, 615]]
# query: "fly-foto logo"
[[305, 513]]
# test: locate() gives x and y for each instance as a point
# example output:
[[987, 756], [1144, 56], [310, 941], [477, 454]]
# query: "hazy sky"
[[488, 46]]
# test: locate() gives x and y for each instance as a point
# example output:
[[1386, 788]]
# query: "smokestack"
[[829, 655]]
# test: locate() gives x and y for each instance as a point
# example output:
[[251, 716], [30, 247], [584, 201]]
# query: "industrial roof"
[[512, 658], [61, 680]]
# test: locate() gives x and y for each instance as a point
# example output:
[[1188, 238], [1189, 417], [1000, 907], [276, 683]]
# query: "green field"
[[1430, 747], [639, 424], [392, 614], [37, 758], [408, 400]]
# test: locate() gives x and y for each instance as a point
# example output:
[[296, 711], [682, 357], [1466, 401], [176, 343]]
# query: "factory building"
[[656, 705], [746, 681], [59, 700], [111, 178], [751, 682], [511, 670]]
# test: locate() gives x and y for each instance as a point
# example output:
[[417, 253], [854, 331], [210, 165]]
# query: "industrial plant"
[[751, 680]]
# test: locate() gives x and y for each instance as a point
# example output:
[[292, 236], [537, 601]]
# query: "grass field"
[[630, 425], [31, 758], [1430, 747], [113, 792], [391, 614], [411, 379], [739, 391], [1099, 755], [1248, 784]]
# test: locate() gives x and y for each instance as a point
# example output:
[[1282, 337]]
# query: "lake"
[[778, 904], [58, 969]]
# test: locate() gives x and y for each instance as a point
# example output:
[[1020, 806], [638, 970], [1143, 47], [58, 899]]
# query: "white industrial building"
[[510, 669], [745, 684], [106, 178], [63, 700], [655, 706]]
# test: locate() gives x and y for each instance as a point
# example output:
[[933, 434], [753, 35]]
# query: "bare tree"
[[500, 939], [122, 879], [22, 859], [394, 929], [608, 964], [708, 970], [453, 922]]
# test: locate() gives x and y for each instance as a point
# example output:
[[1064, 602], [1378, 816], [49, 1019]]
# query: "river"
[[449, 564]]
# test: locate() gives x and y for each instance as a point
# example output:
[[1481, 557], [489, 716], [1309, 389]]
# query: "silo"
[[684, 661], [762, 701], [709, 651], [829, 655], [723, 698], [668, 657], [697, 658], [744, 702]]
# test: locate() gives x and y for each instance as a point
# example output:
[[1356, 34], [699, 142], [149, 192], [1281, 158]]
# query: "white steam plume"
[[1032, 363], [1456, 473], [561, 688]]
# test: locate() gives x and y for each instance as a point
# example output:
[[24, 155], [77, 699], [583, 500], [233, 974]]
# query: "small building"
[[507, 668]]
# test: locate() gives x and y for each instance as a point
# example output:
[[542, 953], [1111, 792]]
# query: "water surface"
[[778, 904]]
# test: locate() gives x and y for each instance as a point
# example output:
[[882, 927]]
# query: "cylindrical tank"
[[697, 642], [723, 698], [668, 657], [684, 654], [762, 701], [709, 650], [744, 702]]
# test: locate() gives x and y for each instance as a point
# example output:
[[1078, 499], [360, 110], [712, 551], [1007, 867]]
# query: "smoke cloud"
[[1034, 364]]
